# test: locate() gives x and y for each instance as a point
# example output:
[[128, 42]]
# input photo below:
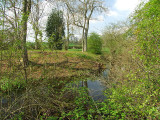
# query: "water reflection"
[[96, 90], [96, 87]]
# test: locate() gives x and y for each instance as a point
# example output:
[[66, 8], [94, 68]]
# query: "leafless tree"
[[11, 10], [82, 11], [36, 15], [69, 24]]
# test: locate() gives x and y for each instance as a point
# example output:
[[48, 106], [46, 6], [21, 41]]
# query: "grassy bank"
[[47, 65], [48, 74]]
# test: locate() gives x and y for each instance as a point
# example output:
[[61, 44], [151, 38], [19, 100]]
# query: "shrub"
[[31, 45], [94, 43], [7, 84]]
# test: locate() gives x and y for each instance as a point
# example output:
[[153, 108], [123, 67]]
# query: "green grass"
[[79, 55], [74, 49], [71, 53], [83, 55], [9, 84]]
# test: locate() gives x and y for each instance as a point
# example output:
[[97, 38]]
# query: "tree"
[[82, 11], [94, 43], [55, 29], [26, 11], [3, 7], [114, 38], [35, 17], [11, 11], [68, 24]]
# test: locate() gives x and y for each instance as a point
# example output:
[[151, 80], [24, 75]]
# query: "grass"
[[47, 64], [75, 50], [80, 55], [48, 73]]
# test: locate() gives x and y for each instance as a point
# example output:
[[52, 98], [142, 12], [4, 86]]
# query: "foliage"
[[133, 94], [18, 116], [94, 43], [114, 37], [137, 96], [84, 107], [7, 84], [146, 28], [55, 29], [5, 40], [30, 45]]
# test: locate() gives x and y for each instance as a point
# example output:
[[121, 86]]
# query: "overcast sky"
[[119, 10]]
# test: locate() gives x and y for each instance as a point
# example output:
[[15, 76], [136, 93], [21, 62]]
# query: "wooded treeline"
[[15, 15]]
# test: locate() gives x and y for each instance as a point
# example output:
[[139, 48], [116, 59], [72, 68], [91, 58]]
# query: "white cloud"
[[99, 18], [112, 13], [126, 5]]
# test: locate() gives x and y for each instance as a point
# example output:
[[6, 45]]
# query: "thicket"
[[94, 43], [136, 94]]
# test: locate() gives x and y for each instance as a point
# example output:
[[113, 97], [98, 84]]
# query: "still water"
[[96, 87]]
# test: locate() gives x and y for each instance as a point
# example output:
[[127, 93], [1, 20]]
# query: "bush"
[[136, 96], [94, 43], [31, 45], [7, 84]]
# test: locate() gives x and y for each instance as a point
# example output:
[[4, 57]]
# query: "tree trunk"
[[83, 36], [86, 35], [24, 21], [41, 36], [67, 42], [85, 40], [4, 12], [36, 40], [83, 44], [26, 11], [35, 24]]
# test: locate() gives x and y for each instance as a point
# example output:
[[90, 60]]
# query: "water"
[[96, 87], [96, 90]]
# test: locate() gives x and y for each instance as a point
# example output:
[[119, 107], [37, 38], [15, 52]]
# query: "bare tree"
[[16, 8], [36, 15], [11, 18], [82, 11], [68, 19], [4, 10]]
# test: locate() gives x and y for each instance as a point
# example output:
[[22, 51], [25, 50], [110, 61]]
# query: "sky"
[[118, 10]]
